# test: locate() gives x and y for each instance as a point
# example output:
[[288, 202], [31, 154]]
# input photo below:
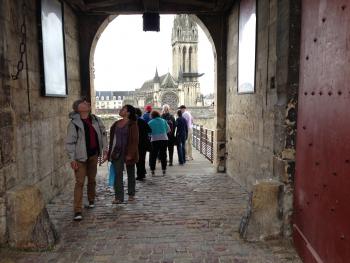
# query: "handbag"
[[111, 174]]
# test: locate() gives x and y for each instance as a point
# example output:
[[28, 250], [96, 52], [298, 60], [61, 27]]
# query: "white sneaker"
[[78, 216]]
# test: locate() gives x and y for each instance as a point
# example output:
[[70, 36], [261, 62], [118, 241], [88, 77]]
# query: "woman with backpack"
[[169, 118]]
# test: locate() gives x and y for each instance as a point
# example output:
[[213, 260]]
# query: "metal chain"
[[23, 44]]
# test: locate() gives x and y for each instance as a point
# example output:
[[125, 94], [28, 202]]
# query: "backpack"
[[171, 125]]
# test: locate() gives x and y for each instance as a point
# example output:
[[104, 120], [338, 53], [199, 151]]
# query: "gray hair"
[[166, 108], [76, 104]]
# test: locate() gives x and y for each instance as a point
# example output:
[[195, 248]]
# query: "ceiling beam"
[[151, 5], [76, 5]]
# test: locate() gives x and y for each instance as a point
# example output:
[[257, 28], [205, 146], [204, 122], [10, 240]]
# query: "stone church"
[[182, 85]]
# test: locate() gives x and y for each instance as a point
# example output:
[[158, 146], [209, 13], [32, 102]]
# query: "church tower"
[[184, 42]]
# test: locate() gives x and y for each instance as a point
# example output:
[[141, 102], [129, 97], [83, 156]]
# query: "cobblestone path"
[[190, 215]]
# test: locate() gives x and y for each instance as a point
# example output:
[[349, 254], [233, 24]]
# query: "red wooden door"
[[322, 182]]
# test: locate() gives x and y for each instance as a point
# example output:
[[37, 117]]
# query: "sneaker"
[[78, 216], [91, 205], [164, 172]]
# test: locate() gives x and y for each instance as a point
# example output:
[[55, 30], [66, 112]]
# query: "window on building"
[[184, 59], [96, 97], [102, 98], [189, 59]]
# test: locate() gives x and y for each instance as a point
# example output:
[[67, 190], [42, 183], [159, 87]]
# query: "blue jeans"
[[181, 150]]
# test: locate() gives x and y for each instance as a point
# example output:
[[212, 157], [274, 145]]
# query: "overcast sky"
[[126, 56]]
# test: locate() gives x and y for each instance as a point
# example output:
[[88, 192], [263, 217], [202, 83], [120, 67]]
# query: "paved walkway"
[[190, 215]]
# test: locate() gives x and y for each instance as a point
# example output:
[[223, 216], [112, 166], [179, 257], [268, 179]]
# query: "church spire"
[[156, 76]]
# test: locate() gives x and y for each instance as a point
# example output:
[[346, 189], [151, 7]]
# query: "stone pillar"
[[217, 27]]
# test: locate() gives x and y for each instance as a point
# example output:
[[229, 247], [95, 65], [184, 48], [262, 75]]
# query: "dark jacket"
[[171, 122], [132, 148], [144, 131], [181, 128]]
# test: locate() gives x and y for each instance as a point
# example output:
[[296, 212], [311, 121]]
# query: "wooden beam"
[[78, 5], [151, 5]]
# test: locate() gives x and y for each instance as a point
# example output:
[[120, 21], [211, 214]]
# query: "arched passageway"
[[219, 81]]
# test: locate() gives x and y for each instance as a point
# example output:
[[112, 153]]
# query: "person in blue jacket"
[[181, 134], [159, 140], [147, 115]]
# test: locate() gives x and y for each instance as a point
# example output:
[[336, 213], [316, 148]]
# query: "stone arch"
[[96, 37], [215, 37]]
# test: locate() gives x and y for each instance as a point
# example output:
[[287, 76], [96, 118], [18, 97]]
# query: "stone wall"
[[32, 127], [250, 117], [261, 127]]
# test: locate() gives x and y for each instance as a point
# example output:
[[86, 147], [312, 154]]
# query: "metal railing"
[[203, 141]]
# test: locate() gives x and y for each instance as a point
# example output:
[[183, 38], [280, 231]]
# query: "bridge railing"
[[203, 141]]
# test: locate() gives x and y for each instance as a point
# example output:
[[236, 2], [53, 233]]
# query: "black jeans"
[[141, 169], [171, 151], [158, 149]]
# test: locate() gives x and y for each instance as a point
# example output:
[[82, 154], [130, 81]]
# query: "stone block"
[[2, 181], [3, 226], [29, 225], [263, 219], [9, 174], [288, 154], [6, 144]]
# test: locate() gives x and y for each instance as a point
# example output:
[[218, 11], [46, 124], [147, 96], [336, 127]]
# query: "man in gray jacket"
[[86, 140]]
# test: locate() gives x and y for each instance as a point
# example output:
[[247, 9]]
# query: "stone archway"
[[209, 25]]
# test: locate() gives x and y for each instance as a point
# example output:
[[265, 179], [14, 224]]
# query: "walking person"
[[86, 140], [123, 150], [169, 118], [159, 140], [181, 137], [144, 145], [189, 119]]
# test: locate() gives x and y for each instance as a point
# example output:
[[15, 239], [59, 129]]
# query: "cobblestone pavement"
[[190, 215]]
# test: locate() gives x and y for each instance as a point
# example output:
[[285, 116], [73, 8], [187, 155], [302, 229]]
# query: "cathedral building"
[[182, 85]]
